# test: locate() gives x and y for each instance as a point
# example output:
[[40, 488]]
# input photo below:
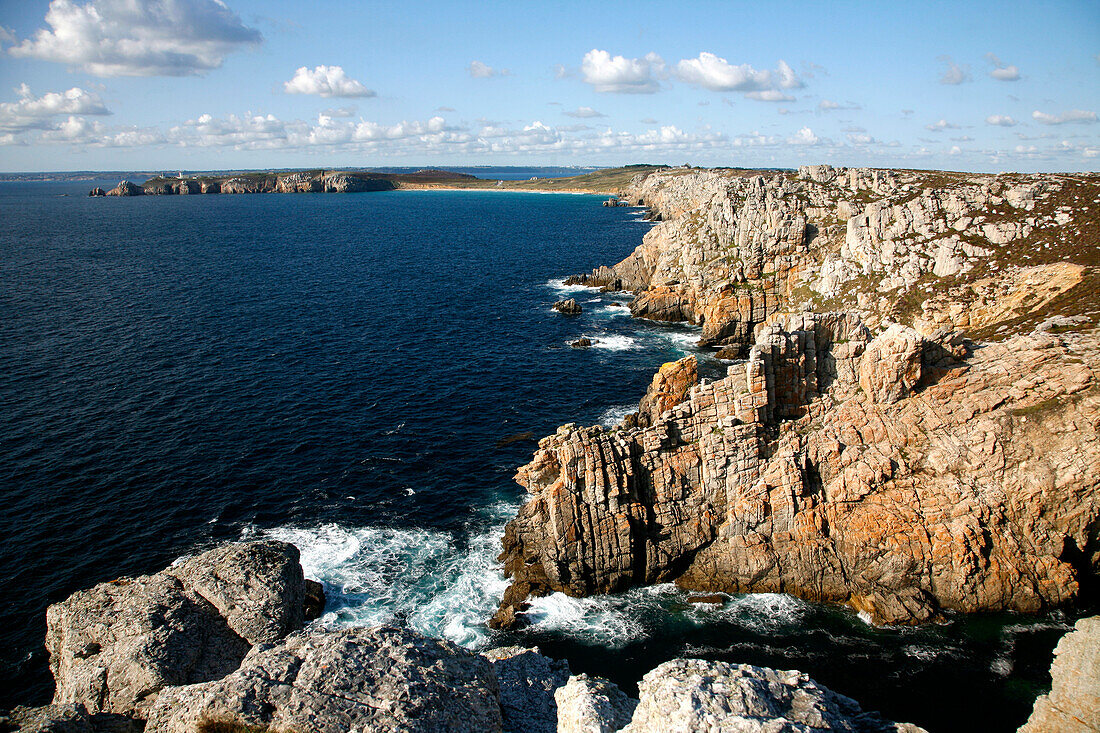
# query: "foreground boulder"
[[115, 646], [1073, 705], [528, 682], [385, 679], [688, 695]]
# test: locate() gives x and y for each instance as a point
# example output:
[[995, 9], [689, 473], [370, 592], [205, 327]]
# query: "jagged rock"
[[257, 587], [584, 342], [891, 365], [528, 682], [114, 647], [592, 705], [210, 187], [1073, 705], [357, 679], [670, 386], [689, 695], [48, 719], [786, 476], [126, 188], [569, 307], [97, 191]]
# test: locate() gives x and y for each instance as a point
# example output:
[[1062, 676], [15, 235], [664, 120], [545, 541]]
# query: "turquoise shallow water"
[[343, 372]]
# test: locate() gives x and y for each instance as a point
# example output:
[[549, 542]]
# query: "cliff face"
[[850, 459], [299, 182]]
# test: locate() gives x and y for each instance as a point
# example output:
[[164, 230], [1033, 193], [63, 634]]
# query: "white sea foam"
[[612, 311], [612, 416], [615, 343], [424, 578], [560, 287]]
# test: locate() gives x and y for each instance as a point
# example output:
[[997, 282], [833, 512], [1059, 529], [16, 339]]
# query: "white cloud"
[[584, 112], [1001, 120], [7, 35], [718, 75], [617, 74], [1073, 115], [341, 112], [941, 125], [139, 37], [805, 136], [955, 150], [480, 70], [860, 138], [34, 113], [1001, 70], [770, 95], [954, 74], [828, 105], [326, 81]]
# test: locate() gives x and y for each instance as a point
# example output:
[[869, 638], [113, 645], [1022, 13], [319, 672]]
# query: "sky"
[[204, 84]]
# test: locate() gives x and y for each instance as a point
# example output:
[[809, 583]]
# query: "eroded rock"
[[384, 678], [1073, 704]]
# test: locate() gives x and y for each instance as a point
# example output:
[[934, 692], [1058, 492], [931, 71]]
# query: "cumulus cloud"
[[805, 136], [139, 37], [954, 73], [479, 70], [34, 113], [7, 35], [940, 126], [718, 75], [1073, 115], [618, 74], [326, 81], [584, 112], [1002, 71], [1001, 120]]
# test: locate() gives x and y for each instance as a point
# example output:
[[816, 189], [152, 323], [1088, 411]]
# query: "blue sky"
[[200, 84]]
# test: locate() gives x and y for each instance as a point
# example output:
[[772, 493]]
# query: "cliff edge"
[[914, 427]]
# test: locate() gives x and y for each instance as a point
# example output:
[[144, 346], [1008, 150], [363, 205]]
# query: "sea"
[[361, 375]]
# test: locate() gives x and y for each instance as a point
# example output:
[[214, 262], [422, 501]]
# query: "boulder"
[[48, 719], [97, 191], [528, 683], [592, 705], [891, 366], [384, 679], [115, 646], [1073, 704], [689, 695], [584, 343], [569, 307]]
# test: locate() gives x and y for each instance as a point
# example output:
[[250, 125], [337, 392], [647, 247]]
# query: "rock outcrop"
[[592, 705], [359, 679], [569, 307], [916, 427], [886, 473], [688, 695], [126, 188], [114, 647], [1073, 705]]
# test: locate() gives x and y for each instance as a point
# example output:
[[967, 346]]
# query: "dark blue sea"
[[361, 375]]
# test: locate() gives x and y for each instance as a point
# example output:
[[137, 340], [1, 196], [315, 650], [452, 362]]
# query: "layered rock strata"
[[897, 473]]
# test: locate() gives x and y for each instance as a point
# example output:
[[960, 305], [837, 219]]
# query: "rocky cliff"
[[1073, 705], [914, 427]]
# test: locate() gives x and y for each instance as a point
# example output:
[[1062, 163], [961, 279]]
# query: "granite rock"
[[1073, 704]]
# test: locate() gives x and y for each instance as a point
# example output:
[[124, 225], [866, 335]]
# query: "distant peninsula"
[[332, 181]]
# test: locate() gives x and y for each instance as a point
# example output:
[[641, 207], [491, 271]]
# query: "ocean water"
[[361, 375]]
